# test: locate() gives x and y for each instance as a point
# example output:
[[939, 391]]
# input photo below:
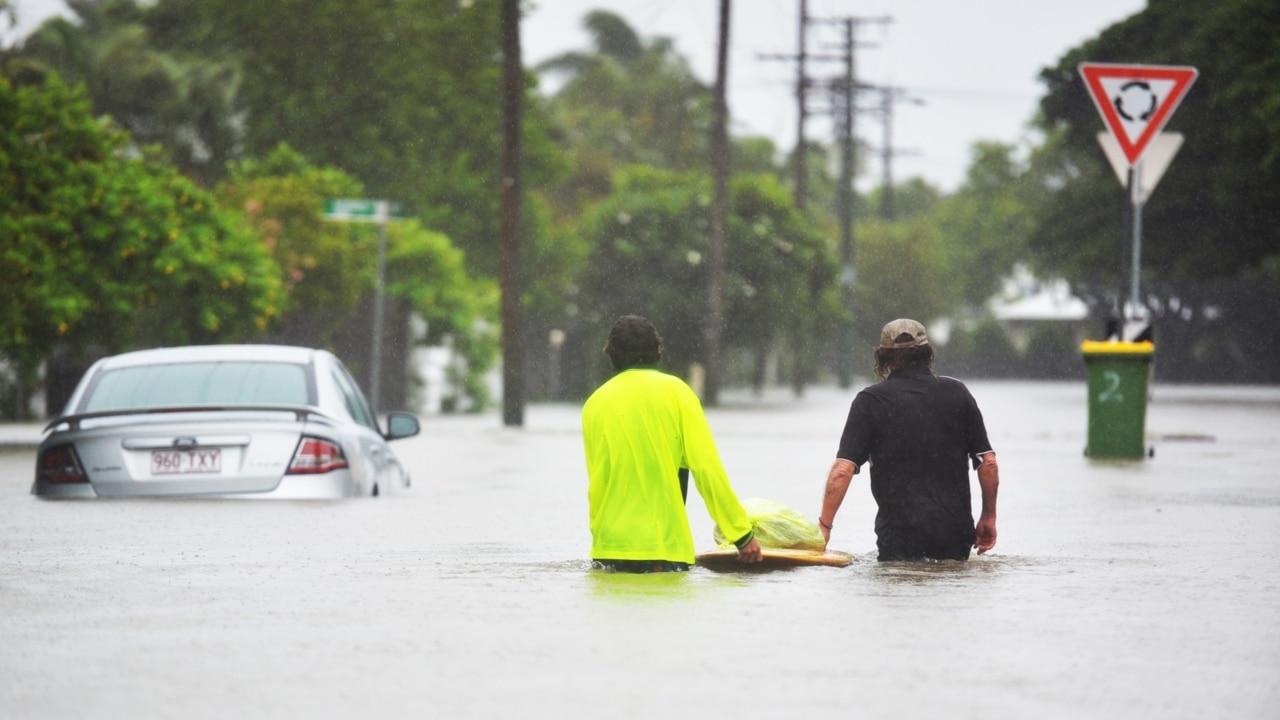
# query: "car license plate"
[[186, 462]]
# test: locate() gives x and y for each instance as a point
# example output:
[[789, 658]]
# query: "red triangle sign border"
[[1093, 75]]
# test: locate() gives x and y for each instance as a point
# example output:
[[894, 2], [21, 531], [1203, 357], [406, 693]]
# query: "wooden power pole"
[[511, 160], [719, 213]]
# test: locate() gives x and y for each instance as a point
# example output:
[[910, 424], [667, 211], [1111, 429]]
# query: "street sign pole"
[[380, 212], [1140, 179], [1135, 197], [375, 360]]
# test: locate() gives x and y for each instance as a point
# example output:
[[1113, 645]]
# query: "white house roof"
[[1052, 301]]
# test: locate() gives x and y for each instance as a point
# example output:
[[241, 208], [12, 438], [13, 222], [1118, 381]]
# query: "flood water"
[[1117, 589]]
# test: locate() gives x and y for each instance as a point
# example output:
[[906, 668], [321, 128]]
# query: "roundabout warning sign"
[[1135, 101]]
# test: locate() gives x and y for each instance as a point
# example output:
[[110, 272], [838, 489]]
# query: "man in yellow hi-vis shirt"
[[643, 431]]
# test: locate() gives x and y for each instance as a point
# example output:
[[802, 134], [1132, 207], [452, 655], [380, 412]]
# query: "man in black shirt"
[[919, 431]]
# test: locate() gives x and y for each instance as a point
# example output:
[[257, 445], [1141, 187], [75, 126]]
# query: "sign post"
[[1135, 102], [380, 212]]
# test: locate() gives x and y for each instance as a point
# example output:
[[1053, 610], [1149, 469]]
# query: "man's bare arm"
[[838, 479], [989, 481]]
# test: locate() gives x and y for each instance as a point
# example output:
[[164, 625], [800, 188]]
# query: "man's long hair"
[[890, 359], [633, 341]]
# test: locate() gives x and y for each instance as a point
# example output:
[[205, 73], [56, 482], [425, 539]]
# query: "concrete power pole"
[[845, 91], [510, 162], [888, 95], [802, 168], [845, 198], [719, 213]]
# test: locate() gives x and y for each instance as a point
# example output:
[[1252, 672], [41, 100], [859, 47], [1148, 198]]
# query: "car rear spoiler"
[[301, 412]]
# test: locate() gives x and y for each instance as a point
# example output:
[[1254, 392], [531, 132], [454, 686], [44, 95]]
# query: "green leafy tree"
[[629, 101], [648, 247], [186, 103], [903, 269], [780, 293], [461, 312], [987, 223], [911, 199], [1211, 231], [1217, 210], [394, 94], [638, 102], [104, 248], [402, 96], [325, 267], [328, 269], [648, 241]]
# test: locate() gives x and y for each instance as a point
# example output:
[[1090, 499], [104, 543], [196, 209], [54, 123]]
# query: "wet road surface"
[[1117, 590]]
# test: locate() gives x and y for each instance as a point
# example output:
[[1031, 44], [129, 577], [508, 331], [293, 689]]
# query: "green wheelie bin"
[[1119, 378]]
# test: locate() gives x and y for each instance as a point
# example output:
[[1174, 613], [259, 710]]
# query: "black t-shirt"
[[920, 432]]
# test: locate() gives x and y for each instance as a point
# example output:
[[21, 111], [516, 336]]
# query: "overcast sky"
[[972, 63]]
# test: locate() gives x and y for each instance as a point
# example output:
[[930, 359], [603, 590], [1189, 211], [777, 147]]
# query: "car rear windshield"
[[198, 383]]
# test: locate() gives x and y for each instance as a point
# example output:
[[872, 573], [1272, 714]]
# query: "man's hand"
[[986, 538], [750, 553]]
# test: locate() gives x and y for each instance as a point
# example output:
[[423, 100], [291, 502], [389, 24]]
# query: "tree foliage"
[[987, 223], [648, 248], [324, 266], [903, 269], [328, 269], [184, 102], [1216, 212], [105, 248], [1211, 231], [403, 96], [628, 102], [398, 100], [427, 270]]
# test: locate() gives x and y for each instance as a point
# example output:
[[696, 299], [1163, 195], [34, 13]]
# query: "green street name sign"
[[358, 210]]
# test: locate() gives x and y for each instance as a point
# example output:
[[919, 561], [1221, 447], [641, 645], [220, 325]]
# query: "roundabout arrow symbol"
[[1119, 100]]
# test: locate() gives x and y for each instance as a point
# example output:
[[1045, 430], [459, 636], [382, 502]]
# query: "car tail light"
[[317, 456], [60, 465]]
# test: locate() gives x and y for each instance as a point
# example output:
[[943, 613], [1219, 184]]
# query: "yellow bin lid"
[[1117, 347]]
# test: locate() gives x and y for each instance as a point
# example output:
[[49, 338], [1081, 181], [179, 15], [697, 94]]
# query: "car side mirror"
[[401, 425]]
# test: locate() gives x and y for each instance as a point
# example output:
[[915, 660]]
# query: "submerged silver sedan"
[[224, 420]]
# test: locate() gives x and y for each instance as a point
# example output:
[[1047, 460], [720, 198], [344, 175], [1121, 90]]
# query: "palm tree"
[[187, 104], [628, 101]]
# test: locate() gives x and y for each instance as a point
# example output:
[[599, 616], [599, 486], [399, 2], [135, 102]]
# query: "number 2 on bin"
[[1111, 393]]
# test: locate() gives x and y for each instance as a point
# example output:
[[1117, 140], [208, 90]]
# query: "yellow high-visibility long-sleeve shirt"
[[638, 430]]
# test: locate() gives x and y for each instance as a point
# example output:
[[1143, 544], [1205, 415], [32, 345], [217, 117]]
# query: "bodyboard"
[[727, 559]]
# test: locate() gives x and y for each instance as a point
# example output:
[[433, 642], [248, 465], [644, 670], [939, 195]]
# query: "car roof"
[[215, 353]]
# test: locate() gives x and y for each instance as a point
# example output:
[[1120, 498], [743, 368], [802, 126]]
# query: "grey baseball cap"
[[903, 333]]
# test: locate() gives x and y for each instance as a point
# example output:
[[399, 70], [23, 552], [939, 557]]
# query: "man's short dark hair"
[[633, 341]]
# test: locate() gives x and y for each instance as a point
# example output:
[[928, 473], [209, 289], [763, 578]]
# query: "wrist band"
[[825, 525]]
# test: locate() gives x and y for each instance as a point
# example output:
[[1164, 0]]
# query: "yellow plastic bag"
[[778, 526]]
